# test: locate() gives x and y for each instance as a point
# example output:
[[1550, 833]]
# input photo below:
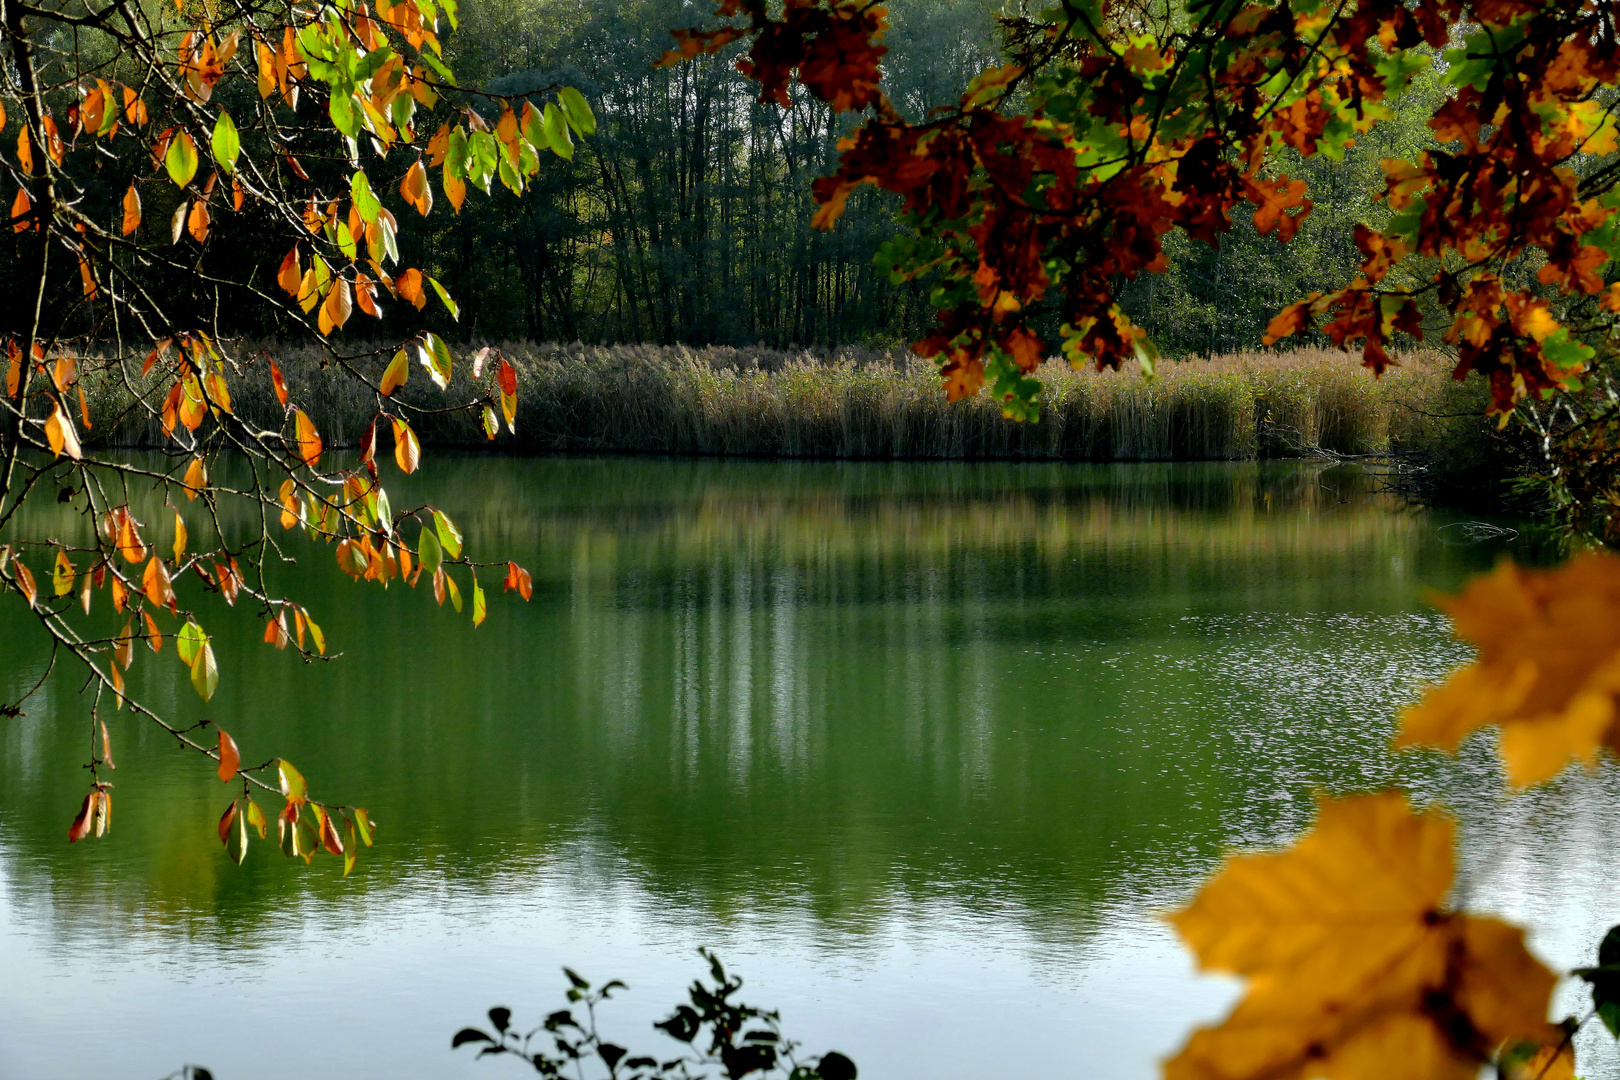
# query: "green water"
[[920, 748]]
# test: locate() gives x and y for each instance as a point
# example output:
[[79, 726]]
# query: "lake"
[[922, 750]]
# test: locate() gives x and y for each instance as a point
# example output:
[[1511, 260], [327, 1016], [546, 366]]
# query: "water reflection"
[[914, 743]]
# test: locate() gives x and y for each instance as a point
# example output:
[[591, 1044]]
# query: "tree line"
[[687, 217]]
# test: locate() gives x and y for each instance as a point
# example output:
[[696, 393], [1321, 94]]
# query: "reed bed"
[[864, 404]]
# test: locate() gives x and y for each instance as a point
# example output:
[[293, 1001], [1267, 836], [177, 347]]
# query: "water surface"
[[921, 749]]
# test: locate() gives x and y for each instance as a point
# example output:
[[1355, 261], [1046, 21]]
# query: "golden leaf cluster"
[[1548, 670], [1356, 969]]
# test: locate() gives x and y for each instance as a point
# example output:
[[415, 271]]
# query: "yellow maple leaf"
[[1548, 670], [1356, 969]]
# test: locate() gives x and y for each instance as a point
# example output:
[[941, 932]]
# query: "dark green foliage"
[[720, 1034]]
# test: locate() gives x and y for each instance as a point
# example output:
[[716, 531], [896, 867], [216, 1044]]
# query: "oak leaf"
[[1548, 670], [1355, 967]]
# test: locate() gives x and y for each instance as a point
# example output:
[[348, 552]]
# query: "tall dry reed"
[[857, 403]]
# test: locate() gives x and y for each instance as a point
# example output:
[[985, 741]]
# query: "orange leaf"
[[1274, 199], [155, 583], [197, 221], [309, 440], [25, 582], [279, 383], [291, 276], [81, 824], [25, 150], [519, 579], [196, 478], [230, 759], [338, 306], [275, 631], [407, 450], [60, 434], [132, 209], [415, 190], [409, 286], [365, 296], [21, 207], [455, 188]]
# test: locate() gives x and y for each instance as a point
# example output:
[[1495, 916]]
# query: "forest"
[[313, 309], [686, 217]]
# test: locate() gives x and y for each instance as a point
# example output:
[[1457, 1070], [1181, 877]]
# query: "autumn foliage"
[[298, 122], [1060, 173], [1355, 965]]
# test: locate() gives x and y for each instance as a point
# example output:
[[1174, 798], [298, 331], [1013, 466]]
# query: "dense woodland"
[[686, 219]]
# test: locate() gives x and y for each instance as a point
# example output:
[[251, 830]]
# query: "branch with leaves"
[[1059, 174], [720, 1035], [146, 137]]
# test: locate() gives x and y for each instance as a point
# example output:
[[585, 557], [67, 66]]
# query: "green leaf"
[[456, 154], [577, 110], [205, 672], [236, 843], [425, 357], [345, 242], [441, 358], [188, 642], [316, 634], [557, 137], [438, 67], [485, 154], [341, 108], [480, 607], [455, 593], [365, 203], [509, 177], [181, 159], [429, 553], [385, 512], [255, 817], [455, 312], [449, 535], [293, 788], [226, 142], [364, 823]]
